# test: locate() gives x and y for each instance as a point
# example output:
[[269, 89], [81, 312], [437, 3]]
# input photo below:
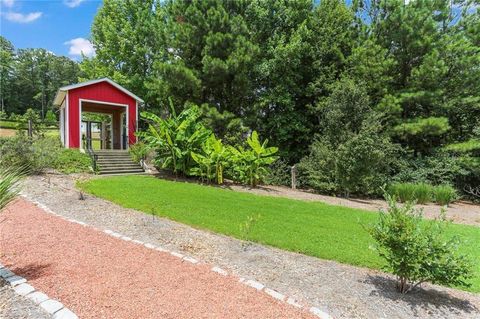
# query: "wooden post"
[[293, 172], [30, 128]]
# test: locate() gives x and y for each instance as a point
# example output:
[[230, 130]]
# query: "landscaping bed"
[[341, 290], [311, 228]]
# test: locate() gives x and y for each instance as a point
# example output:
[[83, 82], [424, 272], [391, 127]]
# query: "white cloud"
[[73, 3], [8, 3], [21, 17], [79, 46]]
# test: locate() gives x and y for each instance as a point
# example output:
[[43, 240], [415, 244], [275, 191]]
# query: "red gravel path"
[[98, 276]]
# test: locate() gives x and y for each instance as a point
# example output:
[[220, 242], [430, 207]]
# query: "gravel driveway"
[[342, 291]]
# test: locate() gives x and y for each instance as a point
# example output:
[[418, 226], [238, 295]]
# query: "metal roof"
[[63, 90]]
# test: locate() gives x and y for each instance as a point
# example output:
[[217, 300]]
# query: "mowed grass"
[[311, 228]]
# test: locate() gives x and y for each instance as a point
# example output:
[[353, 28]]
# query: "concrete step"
[[114, 156], [121, 174], [120, 171], [118, 164], [111, 151], [104, 169], [116, 159]]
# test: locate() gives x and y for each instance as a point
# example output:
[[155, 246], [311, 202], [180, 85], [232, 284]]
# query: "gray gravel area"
[[342, 291], [14, 306], [461, 212]]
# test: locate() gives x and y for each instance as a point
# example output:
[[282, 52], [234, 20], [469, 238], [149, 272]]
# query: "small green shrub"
[[50, 118], [444, 194], [417, 251], [279, 173], [139, 151], [40, 153], [70, 161], [17, 151]]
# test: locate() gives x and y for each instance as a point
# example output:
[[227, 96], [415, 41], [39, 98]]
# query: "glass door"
[[93, 135]]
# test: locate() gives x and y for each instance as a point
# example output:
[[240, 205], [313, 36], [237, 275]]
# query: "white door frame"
[[105, 103]]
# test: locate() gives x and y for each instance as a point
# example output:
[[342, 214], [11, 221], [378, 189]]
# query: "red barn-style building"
[[114, 130]]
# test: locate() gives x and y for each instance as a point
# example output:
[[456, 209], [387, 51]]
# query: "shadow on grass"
[[31, 271], [420, 298]]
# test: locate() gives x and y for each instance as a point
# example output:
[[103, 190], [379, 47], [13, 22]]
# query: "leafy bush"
[[184, 145], [70, 161], [213, 160], [279, 173], [364, 162], [442, 168], [17, 151], [318, 169], [444, 194], [3, 115], [360, 165], [417, 251], [39, 153], [175, 138], [139, 151], [14, 117], [50, 118], [34, 117], [250, 166]]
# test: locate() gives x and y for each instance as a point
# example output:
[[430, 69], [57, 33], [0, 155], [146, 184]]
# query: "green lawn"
[[8, 124], [311, 228]]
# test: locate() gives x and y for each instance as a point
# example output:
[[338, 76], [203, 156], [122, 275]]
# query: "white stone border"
[[22, 288], [249, 282]]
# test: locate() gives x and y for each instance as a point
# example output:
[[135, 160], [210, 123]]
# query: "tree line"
[[30, 78], [358, 95]]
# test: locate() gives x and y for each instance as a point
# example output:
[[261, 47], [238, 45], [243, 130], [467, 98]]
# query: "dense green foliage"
[[312, 228], [358, 93], [39, 153], [417, 252], [29, 78], [139, 151], [185, 146]]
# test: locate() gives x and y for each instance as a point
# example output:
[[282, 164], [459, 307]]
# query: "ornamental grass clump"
[[444, 194], [423, 193], [418, 251], [9, 183], [404, 192]]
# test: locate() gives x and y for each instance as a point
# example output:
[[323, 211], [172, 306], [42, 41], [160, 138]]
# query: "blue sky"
[[60, 26]]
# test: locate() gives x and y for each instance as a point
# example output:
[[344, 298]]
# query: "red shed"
[[97, 114]]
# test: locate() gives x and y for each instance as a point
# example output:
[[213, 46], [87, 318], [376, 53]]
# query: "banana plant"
[[213, 160], [251, 165], [175, 138]]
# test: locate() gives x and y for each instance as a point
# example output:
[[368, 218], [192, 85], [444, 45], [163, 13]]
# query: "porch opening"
[[103, 126]]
